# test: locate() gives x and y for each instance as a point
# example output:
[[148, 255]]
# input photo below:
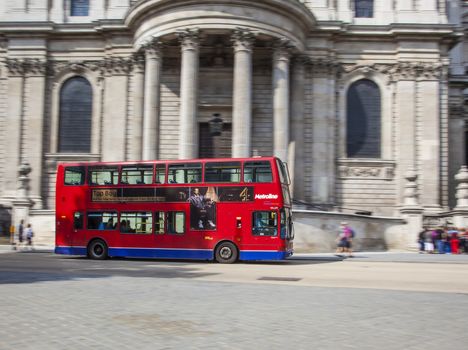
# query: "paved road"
[[56, 302]]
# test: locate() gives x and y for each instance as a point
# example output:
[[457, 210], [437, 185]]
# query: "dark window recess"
[[363, 127], [79, 8], [215, 146], [75, 116], [364, 8]]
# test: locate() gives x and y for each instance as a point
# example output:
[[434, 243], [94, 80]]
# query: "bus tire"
[[97, 250], [226, 253]]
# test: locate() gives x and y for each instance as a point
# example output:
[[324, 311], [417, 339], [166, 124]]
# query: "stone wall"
[[316, 231]]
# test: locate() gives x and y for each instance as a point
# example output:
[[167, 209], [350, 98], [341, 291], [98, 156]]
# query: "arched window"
[[79, 7], [364, 8], [76, 99], [363, 127]]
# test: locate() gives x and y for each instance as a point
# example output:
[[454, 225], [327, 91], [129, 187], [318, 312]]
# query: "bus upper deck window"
[[222, 172], [74, 175], [136, 175], [257, 171], [103, 175], [185, 173]]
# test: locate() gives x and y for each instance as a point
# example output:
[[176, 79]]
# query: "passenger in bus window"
[[110, 224]]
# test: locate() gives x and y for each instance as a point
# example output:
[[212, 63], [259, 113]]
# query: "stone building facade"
[[353, 94]]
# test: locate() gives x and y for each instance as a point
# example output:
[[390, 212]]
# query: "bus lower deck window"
[[264, 223]]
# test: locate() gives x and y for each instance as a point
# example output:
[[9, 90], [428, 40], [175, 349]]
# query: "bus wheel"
[[97, 250], [226, 253]]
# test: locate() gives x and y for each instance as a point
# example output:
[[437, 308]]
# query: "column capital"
[[138, 60], [282, 49], [189, 38], [242, 39], [152, 48]]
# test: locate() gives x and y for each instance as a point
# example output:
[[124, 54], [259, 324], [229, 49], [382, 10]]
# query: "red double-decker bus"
[[223, 209]]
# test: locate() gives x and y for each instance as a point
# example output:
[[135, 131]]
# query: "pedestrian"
[[421, 239], [29, 236], [463, 236], [428, 244], [341, 243], [349, 233], [454, 243], [20, 234], [345, 240]]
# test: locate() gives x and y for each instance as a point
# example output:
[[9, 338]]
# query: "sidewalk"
[[7, 248], [387, 256]]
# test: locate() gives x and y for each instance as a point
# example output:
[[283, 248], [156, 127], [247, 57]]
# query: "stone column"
[[114, 131], [281, 99], [411, 211], [296, 147], [34, 123], [136, 118], [22, 203], [188, 142], [242, 93], [429, 157], [153, 52], [14, 119], [460, 213]]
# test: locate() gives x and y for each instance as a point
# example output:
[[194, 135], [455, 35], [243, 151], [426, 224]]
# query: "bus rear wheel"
[[97, 250], [226, 253]]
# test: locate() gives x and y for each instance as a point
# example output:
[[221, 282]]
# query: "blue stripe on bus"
[[71, 250], [197, 254], [263, 255]]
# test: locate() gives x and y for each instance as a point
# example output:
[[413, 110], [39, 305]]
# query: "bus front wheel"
[[226, 253], [97, 250]]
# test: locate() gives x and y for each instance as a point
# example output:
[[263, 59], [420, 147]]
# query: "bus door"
[[77, 230], [265, 229], [287, 228]]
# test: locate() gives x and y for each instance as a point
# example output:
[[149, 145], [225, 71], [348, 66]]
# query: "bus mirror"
[[238, 222]]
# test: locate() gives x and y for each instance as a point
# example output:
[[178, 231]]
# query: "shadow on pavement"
[[41, 267]]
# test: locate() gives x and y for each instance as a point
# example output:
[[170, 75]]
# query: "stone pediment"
[[274, 18]]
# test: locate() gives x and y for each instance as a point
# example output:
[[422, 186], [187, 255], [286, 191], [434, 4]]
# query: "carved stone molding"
[[399, 71], [366, 169], [117, 65], [26, 66], [323, 67], [78, 67]]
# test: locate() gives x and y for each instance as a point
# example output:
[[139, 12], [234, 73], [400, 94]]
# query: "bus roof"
[[171, 161]]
